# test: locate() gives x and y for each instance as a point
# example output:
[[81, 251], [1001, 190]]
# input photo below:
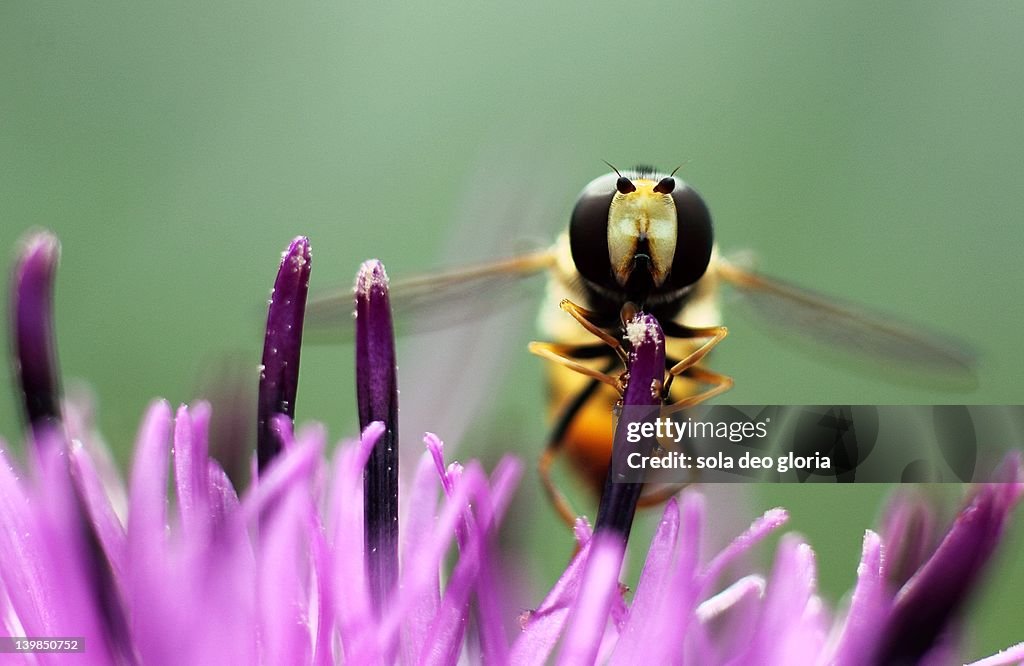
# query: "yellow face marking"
[[642, 215]]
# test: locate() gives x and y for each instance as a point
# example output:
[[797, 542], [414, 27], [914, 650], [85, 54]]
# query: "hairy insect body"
[[586, 439]]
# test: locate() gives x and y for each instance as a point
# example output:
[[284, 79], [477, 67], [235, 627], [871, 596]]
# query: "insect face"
[[640, 236]]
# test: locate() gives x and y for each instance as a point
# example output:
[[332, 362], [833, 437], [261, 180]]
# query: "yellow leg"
[[585, 317], [561, 354], [660, 494], [719, 384], [715, 334], [556, 496]]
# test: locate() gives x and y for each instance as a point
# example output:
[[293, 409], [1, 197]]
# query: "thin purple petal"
[[107, 525], [420, 508], [24, 573], [190, 475], [279, 373], [788, 627], [296, 467], [761, 528], [494, 642], [588, 619], [447, 629], [350, 595], [868, 607], [935, 595], [35, 350], [543, 626], [728, 620], [684, 589], [908, 532], [419, 573], [147, 582], [649, 600], [281, 599]]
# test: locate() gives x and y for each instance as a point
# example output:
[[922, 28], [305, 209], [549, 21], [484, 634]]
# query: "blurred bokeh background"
[[868, 150]]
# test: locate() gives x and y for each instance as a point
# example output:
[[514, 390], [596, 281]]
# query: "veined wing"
[[848, 327], [435, 300]]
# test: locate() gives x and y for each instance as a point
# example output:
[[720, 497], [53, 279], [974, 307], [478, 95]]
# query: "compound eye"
[[588, 231], [665, 185], [624, 185], [694, 238]]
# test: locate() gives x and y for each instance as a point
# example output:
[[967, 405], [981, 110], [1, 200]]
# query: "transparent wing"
[[848, 327], [435, 301]]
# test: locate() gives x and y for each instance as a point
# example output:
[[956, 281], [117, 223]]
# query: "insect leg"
[[715, 334], [660, 494], [555, 495], [554, 448], [564, 355], [719, 384], [586, 320]]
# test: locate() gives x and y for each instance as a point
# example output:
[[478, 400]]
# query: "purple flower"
[[276, 574], [307, 565]]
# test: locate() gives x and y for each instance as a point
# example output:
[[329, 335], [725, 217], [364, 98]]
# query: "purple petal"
[[420, 507], [476, 565], [377, 393], [350, 595], [321, 559], [279, 374], [436, 449], [223, 498], [651, 591], [419, 573], [107, 525], [190, 475], [24, 572], [588, 619], [936, 593], [908, 532], [868, 607], [297, 466], [147, 527], [761, 528], [728, 620], [789, 626], [646, 366], [728, 599], [490, 585], [85, 597], [683, 593], [35, 350], [283, 624], [543, 627], [447, 629]]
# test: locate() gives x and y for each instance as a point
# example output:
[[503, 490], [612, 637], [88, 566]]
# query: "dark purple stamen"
[[38, 376], [646, 366], [377, 393], [279, 375], [925, 607], [35, 356]]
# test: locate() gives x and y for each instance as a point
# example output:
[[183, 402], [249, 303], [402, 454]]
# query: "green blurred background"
[[871, 150]]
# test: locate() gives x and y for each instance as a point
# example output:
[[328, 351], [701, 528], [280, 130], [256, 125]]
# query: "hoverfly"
[[643, 239]]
